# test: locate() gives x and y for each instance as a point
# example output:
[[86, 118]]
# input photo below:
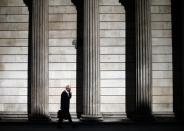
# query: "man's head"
[[68, 88]]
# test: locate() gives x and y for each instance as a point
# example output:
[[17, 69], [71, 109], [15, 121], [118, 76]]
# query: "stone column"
[[182, 32], [139, 59], [91, 90], [39, 61]]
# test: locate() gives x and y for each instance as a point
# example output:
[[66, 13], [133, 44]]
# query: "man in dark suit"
[[65, 106]]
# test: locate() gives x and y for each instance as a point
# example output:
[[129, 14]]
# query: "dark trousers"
[[65, 115]]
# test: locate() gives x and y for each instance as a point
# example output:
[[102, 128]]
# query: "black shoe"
[[73, 125], [59, 126]]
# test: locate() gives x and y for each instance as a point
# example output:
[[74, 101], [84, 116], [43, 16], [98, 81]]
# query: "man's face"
[[68, 88]]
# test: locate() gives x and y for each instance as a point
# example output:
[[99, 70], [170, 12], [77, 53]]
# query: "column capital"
[[78, 4], [123, 2], [28, 4]]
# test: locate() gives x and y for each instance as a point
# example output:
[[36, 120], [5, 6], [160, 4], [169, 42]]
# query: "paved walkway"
[[142, 126]]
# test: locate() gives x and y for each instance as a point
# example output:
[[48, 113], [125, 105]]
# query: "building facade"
[[118, 56]]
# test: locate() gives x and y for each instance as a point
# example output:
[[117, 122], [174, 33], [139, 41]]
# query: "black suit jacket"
[[65, 101]]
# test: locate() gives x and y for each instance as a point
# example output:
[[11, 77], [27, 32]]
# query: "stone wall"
[[13, 55], [162, 56], [62, 54], [112, 56]]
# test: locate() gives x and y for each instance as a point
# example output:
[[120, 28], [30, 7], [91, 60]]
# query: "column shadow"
[[29, 5], [79, 57], [143, 113], [176, 9], [130, 57]]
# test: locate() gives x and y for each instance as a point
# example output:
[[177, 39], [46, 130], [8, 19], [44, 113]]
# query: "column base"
[[39, 118], [141, 116], [91, 118]]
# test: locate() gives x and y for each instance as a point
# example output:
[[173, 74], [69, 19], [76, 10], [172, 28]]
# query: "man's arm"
[[63, 101], [70, 94]]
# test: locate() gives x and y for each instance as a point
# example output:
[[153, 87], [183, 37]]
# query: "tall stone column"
[[39, 61], [91, 90], [139, 59]]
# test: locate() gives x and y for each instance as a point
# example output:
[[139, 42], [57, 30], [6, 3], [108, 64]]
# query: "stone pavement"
[[89, 126]]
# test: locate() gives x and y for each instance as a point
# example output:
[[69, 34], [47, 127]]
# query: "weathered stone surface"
[[62, 26], [112, 41], [109, 2], [162, 83], [59, 2], [113, 92], [13, 58], [62, 17], [14, 10], [62, 50], [13, 66], [112, 50], [112, 33], [162, 99], [162, 74], [112, 66], [112, 25], [62, 58], [11, 107], [163, 91], [161, 17], [61, 42], [62, 75], [62, 9], [13, 34], [14, 18], [162, 58], [162, 33], [12, 3], [7, 83], [14, 50], [13, 74], [113, 99], [13, 99], [62, 34], [112, 74], [13, 26], [112, 58], [112, 17], [107, 108], [162, 66], [62, 66], [161, 2], [59, 83], [161, 25], [162, 41], [112, 83], [112, 9], [162, 108], [12, 92], [13, 42], [162, 50], [161, 9]]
